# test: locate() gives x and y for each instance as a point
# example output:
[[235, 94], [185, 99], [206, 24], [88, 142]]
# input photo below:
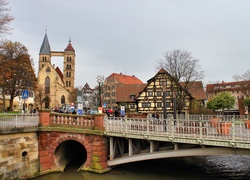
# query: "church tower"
[[57, 85], [44, 54], [69, 67]]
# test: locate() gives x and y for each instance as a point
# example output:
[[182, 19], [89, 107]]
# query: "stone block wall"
[[19, 155]]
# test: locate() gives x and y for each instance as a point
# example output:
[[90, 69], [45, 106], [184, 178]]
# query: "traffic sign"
[[25, 94]]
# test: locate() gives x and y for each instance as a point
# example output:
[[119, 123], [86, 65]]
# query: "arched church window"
[[68, 59], [44, 59], [63, 99], [48, 69], [47, 85]]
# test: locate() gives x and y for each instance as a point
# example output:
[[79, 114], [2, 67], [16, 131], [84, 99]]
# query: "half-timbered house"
[[161, 92]]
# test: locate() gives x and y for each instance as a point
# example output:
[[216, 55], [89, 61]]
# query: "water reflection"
[[188, 168]]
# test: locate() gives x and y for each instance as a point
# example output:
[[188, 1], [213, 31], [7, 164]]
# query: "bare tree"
[[184, 69], [244, 82], [5, 18], [40, 96]]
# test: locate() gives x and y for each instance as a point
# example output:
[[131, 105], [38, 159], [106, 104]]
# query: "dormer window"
[[132, 97]]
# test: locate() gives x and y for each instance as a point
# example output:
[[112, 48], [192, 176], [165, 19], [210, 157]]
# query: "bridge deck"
[[181, 128], [184, 136]]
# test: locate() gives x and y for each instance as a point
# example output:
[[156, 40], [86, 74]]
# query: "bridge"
[[101, 142], [135, 139]]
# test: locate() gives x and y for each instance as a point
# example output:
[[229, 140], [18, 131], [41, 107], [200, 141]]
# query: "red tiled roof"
[[124, 91], [59, 72], [125, 79], [226, 86], [196, 89]]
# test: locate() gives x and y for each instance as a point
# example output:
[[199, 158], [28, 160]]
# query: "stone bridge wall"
[[95, 145], [19, 155]]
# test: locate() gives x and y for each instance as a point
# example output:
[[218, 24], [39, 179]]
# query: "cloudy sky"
[[129, 36]]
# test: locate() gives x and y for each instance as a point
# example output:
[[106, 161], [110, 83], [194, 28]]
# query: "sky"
[[129, 36]]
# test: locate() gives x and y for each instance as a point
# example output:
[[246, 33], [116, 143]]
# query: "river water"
[[188, 168]]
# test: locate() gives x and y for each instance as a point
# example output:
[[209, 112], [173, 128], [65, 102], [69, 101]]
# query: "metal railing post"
[[16, 120], [233, 129]]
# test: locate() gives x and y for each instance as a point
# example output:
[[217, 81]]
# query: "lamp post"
[[174, 98], [100, 81], [164, 101]]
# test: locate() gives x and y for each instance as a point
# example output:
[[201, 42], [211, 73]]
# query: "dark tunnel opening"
[[70, 155]]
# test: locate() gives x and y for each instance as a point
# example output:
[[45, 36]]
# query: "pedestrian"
[[116, 112]]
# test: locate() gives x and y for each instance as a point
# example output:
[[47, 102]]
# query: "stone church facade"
[[55, 84]]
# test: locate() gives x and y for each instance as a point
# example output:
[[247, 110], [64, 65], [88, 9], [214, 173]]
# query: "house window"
[[48, 69], [150, 93], [159, 93], [162, 83], [159, 104], [167, 104], [167, 93], [146, 104], [132, 106]]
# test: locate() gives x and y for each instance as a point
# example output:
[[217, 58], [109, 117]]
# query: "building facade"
[[57, 85], [161, 92], [111, 85], [89, 97], [239, 89]]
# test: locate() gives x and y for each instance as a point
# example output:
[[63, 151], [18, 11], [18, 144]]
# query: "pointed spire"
[[69, 47], [45, 48]]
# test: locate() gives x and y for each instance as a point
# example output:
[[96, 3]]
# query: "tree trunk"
[[11, 104]]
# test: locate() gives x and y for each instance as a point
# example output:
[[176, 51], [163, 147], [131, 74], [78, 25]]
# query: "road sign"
[[25, 94]]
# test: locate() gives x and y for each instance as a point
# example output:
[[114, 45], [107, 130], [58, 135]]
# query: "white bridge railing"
[[18, 120], [231, 128]]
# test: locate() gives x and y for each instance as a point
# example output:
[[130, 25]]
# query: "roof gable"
[[125, 79], [124, 91], [195, 88]]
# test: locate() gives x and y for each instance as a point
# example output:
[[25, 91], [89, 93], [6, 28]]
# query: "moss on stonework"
[[96, 165], [95, 158], [71, 130]]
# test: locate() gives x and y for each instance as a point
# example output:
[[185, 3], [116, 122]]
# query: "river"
[[188, 168]]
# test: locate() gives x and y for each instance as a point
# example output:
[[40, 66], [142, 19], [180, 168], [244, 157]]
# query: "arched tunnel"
[[70, 155]]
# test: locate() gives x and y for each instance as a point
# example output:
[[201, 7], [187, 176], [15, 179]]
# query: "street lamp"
[[100, 80], [174, 98], [164, 101]]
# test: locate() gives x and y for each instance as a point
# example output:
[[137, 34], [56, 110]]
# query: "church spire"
[[69, 47], [45, 48]]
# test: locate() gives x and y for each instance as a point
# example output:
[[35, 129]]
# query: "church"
[[56, 85]]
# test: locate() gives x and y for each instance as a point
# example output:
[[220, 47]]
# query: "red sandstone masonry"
[[43, 153], [95, 145], [44, 159]]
